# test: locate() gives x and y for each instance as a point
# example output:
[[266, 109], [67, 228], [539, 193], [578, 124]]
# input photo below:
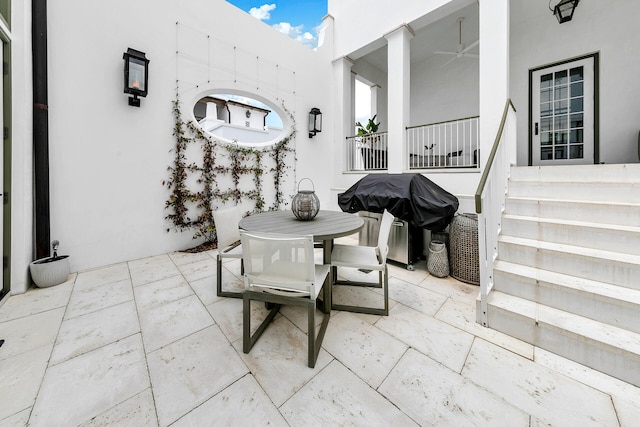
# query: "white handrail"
[[490, 203]]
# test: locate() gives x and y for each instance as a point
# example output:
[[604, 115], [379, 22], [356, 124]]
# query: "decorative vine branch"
[[243, 161]]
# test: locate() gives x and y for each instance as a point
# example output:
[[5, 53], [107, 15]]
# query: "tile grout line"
[[144, 350], [66, 307]]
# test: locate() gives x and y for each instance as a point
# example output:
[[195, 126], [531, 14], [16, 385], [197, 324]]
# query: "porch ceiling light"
[[136, 75], [315, 122], [564, 10]]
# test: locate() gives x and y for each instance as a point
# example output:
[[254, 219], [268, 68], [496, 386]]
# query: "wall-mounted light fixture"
[[315, 122], [136, 75], [564, 10]]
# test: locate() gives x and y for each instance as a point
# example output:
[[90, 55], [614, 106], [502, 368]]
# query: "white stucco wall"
[[609, 28], [440, 94], [109, 160]]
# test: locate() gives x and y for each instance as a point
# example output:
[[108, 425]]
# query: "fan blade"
[[471, 46], [471, 55], [449, 61], [445, 53]]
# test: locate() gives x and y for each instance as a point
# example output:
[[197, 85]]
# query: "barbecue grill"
[[415, 201]]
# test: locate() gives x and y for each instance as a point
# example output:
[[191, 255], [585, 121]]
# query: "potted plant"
[[370, 128], [373, 157], [51, 271]]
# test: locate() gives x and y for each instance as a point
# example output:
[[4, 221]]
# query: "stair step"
[[606, 266], [610, 237], [611, 304], [594, 191], [617, 213], [612, 173], [603, 347]]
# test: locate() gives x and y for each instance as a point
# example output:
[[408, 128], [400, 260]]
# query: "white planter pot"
[[47, 272]]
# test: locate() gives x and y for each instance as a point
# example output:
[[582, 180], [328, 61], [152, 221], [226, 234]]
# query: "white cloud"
[[296, 33], [263, 12]]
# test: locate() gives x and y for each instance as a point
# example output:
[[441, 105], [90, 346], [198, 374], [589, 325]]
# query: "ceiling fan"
[[462, 51]]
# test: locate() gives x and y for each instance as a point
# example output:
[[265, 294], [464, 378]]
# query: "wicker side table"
[[463, 241]]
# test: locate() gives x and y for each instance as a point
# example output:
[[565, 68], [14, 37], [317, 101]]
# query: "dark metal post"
[[40, 129]]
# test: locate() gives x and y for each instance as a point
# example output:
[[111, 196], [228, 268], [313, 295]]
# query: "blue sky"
[[298, 19]]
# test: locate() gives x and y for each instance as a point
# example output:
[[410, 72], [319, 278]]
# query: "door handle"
[[536, 131]]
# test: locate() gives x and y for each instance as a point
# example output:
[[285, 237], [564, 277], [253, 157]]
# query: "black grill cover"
[[408, 196]]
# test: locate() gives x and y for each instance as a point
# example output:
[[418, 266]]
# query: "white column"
[[398, 92], [343, 110], [374, 100], [494, 71]]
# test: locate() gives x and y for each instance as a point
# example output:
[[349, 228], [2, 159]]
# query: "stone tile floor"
[[147, 342]]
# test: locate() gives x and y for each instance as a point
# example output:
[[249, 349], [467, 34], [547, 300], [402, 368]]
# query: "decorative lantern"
[[136, 75], [305, 204], [564, 10], [315, 122]]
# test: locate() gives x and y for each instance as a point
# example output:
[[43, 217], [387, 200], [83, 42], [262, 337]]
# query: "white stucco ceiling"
[[441, 35]]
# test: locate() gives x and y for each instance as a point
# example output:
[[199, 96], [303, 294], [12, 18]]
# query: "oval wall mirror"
[[239, 118]]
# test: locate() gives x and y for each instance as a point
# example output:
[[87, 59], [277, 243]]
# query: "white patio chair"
[[366, 258], [280, 269], [226, 221]]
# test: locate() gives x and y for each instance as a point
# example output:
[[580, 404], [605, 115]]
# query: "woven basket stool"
[[463, 241], [438, 261]]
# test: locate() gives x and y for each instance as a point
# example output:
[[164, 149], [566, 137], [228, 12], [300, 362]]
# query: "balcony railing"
[[366, 152], [450, 144]]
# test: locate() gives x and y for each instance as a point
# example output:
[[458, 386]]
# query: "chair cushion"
[[356, 257], [226, 221]]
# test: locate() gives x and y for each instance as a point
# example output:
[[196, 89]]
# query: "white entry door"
[[562, 107]]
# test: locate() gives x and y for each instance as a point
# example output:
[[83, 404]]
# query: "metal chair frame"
[[340, 258]]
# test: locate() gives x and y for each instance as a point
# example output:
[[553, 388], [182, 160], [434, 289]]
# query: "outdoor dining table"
[[325, 227]]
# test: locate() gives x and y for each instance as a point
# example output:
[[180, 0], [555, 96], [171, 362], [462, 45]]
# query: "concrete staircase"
[[567, 278]]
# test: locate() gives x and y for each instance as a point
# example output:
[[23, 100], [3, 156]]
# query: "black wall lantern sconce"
[[136, 75], [315, 122], [564, 10]]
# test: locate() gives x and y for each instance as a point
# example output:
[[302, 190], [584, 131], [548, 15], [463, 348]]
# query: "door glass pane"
[[561, 153], [546, 139], [546, 153], [560, 107], [577, 74], [561, 122], [577, 136], [545, 95], [561, 138], [546, 109], [577, 89], [577, 120], [546, 81], [576, 151], [561, 77], [545, 124], [577, 105], [561, 92]]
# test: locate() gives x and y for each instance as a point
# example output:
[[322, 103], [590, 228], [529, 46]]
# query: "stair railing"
[[490, 202]]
